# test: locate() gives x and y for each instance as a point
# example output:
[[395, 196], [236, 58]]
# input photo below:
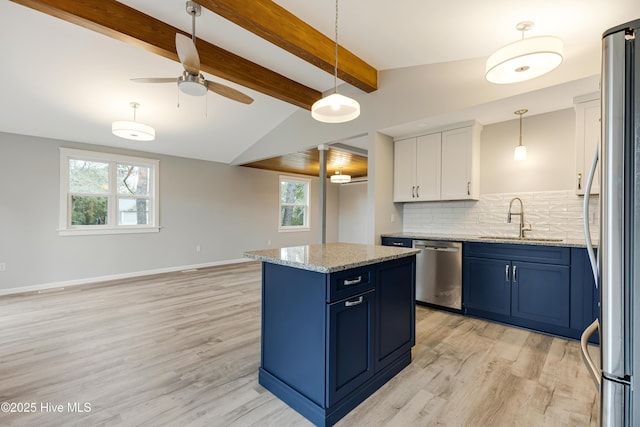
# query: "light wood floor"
[[184, 349]]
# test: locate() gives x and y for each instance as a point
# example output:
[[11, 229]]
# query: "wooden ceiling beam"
[[124, 23], [272, 22]]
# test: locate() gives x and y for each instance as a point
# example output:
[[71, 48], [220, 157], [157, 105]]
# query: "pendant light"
[[335, 108], [133, 130], [524, 59], [520, 153], [340, 178]]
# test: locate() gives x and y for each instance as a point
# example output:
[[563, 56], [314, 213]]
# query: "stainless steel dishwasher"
[[439, 273]]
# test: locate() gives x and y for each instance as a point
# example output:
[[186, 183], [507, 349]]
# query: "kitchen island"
[[338, 322]]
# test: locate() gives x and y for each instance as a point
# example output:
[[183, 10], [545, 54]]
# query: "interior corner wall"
[[226, 210], [385, 216], [550, 163]]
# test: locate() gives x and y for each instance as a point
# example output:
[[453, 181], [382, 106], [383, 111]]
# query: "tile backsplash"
[[552, 214]]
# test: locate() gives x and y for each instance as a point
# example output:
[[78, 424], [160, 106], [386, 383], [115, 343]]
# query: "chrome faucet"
[[521, 214]]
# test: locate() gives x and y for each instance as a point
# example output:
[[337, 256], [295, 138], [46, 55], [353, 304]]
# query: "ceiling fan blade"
[[230, 93], [188, 54], [155, 80]]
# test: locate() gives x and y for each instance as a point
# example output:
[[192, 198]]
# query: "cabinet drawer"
[[344, 284], [517, 252], [403, 242]]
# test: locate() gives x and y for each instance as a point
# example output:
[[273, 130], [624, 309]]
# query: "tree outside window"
[[294, 203]]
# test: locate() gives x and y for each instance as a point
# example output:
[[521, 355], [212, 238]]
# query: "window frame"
[[66, 229], [307, 204]]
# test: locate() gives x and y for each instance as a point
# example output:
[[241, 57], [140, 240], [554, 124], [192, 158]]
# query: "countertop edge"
[[403, 252], [466, 238]]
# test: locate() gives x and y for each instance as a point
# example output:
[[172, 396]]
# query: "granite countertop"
[[494, 239], [330, 257]]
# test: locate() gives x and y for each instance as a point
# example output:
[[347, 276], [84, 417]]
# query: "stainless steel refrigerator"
[[617, 268]]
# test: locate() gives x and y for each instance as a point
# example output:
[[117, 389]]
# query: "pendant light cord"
[[521, 113], [335, 67]]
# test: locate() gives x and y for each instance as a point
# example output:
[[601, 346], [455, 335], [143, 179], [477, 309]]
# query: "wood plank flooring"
[[184, 349]]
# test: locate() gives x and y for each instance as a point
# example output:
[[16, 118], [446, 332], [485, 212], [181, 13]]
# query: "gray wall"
[[352, 213], [550, 164], [225, 209]]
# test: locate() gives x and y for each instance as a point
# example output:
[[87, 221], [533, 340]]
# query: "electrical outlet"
[[268, 242], [197, 248], [3, 266]]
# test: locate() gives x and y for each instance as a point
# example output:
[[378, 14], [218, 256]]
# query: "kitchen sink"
[[525, 239]]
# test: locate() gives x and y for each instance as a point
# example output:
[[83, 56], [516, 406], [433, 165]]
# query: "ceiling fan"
[[192, 82]]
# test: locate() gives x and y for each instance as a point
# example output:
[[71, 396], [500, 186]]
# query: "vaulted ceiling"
[[69, 78]]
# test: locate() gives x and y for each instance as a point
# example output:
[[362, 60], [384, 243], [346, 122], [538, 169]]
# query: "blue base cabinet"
[[544, 288], [330, 340]]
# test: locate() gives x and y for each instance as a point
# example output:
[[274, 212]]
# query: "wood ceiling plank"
[[308, 163], [124, 23], [272, 22]]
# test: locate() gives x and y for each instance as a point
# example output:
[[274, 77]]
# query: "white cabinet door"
[[587, 138], [404, 170], [456, 164], [428, 151]]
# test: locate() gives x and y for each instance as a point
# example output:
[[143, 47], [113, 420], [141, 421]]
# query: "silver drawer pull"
[[397, 243], [515, 274], [353, 282], [506, 273], [352, 303]]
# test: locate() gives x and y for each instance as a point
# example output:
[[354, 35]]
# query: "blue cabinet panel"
[[487, 285], [350, 326], [293, 328], [395, 320], [517, 252], [344, 284], [540, 292], [403, 242]]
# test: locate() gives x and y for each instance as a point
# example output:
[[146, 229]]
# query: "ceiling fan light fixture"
[[524, 59], [335, 108], [133, 130], [192, 85], [339, 178]]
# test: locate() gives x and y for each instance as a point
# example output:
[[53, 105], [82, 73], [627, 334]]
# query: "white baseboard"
[[86, 281]]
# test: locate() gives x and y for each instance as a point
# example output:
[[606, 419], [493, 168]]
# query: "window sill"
[[293, 229], [102, 231]]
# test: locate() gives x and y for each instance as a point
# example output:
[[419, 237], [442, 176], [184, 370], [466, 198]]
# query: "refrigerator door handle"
[[596, 374]]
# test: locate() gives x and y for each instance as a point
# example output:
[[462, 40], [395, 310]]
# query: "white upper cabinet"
[[461, 164], [587, 138], [438, 166], [416, 169]]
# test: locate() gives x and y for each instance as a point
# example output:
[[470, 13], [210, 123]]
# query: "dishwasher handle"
[[436, 248]]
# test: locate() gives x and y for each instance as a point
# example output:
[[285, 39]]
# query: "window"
[[294, 204], [103, 193]]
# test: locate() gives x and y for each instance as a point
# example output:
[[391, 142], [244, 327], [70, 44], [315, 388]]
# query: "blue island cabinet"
[[329, 340]]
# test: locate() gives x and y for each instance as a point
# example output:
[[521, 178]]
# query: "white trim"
[[64, 227], [92, 280], [307, 214]]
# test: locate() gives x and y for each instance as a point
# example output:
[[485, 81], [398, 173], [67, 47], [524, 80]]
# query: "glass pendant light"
[[340, 178], [520, 153], [335, 108]]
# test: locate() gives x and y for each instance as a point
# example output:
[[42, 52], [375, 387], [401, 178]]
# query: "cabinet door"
[[350, 345], [587, 137], [428, 161], [395, 318], [404, 170], [456, 164], [487, 285], [540, 292]]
